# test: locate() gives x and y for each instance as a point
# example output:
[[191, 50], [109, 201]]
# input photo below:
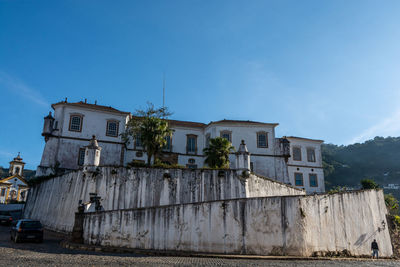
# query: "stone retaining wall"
[[286, 225], [55, 201]]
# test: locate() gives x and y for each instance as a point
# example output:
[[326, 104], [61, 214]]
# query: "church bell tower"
[[17, 166]]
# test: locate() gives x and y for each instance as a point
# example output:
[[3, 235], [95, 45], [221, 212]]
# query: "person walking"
[[374, 248]]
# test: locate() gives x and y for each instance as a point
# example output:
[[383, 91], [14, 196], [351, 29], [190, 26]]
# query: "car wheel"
[[16, 239]]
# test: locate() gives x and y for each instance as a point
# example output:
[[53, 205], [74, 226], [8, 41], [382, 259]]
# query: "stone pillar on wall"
[[243, 157], [77, 231], [92, 155]]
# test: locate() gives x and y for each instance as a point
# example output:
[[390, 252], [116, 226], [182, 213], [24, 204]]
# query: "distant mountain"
[[377, 159], [28, 174]]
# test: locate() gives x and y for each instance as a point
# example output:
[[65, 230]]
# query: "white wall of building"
[[64, 146], [94, 122], [304, 166]]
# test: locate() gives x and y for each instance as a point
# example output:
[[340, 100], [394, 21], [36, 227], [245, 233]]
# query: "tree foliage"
[[217, 153], [376, 159], [369, 184], [392, 204], [152, 127], [28, 174]]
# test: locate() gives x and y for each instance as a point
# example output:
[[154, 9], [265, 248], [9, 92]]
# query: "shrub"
[[337, 189], [136, 164], [397, 220], [369, 184], [392, 204]]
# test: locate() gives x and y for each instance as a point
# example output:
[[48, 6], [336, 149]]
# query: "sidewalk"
[[74, 246]]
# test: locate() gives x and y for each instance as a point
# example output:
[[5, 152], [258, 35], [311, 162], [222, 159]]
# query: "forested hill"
[[28, 174], [377, 159]]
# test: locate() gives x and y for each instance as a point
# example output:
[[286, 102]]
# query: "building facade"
[[14, 188], [69, 131]]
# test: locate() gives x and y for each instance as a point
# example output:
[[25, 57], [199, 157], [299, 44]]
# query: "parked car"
[[27, 229], [6, 217]]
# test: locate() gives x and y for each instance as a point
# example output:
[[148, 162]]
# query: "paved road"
[[49, 253]]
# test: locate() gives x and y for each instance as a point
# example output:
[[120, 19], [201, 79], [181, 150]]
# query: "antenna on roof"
[[163, 90]]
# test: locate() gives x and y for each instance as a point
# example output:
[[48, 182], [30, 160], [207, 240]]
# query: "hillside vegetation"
[[377, 159], [28, 174]]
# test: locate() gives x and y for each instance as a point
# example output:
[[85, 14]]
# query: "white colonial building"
[[14, 188], [292, 160]]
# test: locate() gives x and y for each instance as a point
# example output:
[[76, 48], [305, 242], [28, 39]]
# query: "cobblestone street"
[[50, 253]]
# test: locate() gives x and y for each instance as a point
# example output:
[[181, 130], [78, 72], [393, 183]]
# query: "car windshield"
[[33, 224]]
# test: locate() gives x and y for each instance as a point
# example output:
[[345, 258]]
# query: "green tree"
[[392, 204], [152, 127], [217, 153], [369, 184]]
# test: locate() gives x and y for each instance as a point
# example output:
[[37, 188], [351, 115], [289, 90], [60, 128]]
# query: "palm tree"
[[217, 153], [151, 127]]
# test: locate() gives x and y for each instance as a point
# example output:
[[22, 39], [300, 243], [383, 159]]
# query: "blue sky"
[[322, 69]]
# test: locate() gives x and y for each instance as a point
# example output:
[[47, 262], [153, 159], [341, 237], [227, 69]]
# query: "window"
[[262, 139], [297, 153], [208, 137], [311, 154], [313, 180], [138, 140], [298, 179], [81, 156], [75, 123], [227, 135], [22, 195], [17, 170], [251, 166], [112, 128], [3, 192], [191, 144], [167, 146]]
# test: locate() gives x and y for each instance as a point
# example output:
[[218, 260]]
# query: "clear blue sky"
[[322, 69]]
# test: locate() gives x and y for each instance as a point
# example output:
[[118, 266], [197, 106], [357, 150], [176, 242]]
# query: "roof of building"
[[242, 122], [203, 125], [90, 106], [4, 180], [305, 139], [17, 159], [187, 124]]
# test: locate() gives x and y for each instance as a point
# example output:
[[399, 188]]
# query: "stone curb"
[[148, 252]]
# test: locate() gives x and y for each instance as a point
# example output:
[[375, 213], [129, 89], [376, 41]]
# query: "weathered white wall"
[[94, 122], [55, 201], [304, 166], [246, 132], [306, 171], [346, 221], [289, 225], [64, 146]]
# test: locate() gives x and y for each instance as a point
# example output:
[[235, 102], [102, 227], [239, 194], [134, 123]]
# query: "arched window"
[[75, 123], [112, 128]]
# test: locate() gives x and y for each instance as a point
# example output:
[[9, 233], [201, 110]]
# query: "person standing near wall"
[[374, 248]]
